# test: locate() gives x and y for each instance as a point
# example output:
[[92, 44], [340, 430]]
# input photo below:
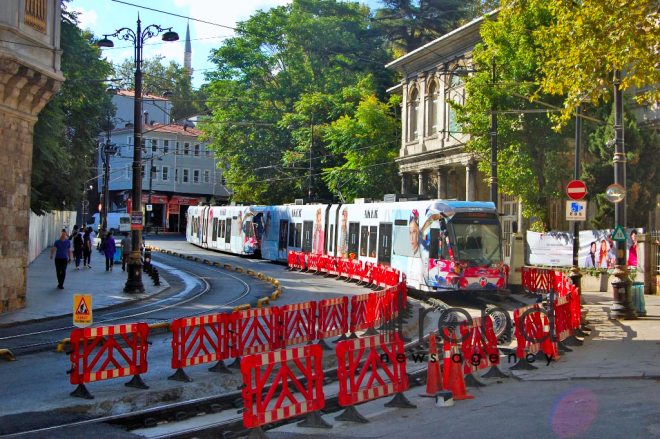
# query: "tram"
[[439, 245]]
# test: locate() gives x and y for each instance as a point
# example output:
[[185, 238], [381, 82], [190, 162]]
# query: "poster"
[[597, 249]]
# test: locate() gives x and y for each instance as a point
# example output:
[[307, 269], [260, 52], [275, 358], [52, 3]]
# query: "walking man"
[[78, 243], [109, 251], [125, 250], [62, 251], [87, 249]]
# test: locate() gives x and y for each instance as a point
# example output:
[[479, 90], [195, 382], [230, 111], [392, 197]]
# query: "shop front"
[[166, 214]]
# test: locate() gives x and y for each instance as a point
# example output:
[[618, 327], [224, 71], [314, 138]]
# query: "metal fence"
[[655, 251]]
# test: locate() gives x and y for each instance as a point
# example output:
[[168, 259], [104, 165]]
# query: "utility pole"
[[311, 148], [576, 275], [622, 309], [106, 176], [493, 150], [151, 177]]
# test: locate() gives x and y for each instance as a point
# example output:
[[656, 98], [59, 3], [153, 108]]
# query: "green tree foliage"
[[285, 62], [586, 40], [532, 157], [65, 134], [642, 173], [158, 78], [410, 24]]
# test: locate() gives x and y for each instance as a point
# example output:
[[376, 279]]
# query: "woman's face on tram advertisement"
[[344, 218], [413, 230], [319, 215]]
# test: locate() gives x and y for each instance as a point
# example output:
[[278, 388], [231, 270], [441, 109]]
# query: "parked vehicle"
[[116, 222]]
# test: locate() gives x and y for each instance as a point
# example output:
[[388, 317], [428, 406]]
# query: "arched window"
[[455, 93], [433, 108], [414, 111]]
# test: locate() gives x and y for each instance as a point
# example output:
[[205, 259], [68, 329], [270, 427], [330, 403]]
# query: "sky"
[[106, 17]]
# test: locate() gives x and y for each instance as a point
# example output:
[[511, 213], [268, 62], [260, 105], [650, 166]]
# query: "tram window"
[[228, 231], [373, 241], [307, 234], [385, 243], [283, 235], [332, 237], [221, 229], [364, 237], [353, 231], [434, 245], [292, 235], [298, 235], [215, 230]]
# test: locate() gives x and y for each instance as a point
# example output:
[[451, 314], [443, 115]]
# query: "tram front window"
[[478, 242]]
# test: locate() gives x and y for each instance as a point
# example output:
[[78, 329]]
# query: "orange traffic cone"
[[453, 376], [433, 377]]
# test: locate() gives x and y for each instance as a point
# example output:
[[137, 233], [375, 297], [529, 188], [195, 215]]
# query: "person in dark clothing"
[[125, 250], [62, 251], [109, 251], [102, 235], [78, 244], [87, 250]]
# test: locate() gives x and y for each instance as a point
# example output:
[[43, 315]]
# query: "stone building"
[[29, 76]]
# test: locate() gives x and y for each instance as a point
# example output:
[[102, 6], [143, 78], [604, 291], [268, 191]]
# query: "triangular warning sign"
[[82, 307], [619, 234]]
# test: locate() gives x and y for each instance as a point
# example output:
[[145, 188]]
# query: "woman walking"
[[109, 251], [87, 250]]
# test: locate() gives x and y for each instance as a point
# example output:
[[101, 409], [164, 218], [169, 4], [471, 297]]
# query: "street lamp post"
[[493, 150], [106, 176], [622, 308], [576, 275], [134, 283]]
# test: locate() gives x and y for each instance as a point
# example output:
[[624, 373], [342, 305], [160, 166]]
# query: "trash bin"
[[638, 298], [117, 253]]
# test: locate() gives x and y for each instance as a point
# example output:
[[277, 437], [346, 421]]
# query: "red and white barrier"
[[333, 317], [255, 331], [298, 323]]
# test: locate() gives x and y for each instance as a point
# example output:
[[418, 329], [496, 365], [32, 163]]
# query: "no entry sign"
[[576, 190]]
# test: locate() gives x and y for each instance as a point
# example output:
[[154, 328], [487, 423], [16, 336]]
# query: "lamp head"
[[106, 42], [170, 35]]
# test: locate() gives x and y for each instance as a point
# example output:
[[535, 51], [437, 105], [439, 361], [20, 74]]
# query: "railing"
[[36, 12]]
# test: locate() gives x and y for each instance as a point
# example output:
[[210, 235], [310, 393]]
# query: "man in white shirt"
[[415, 272]]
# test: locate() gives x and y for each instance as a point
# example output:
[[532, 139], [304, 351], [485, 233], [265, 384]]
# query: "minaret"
[[187, 54]]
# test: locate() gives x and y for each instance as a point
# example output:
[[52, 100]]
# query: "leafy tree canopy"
[[65, 134]]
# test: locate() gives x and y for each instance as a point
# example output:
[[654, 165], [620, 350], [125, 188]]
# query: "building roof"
[[171, 128], [434, 47], [131, 94]]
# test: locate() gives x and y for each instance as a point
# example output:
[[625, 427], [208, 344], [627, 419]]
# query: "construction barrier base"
[[220, 367], [236, 364], [562, 347], [81, 392], [400, 401], [495, 372], [257, 433], [325, 346], [471, 381], [352, 415], [137, 383], [369, 332], [180, 375], [314, 420], [573, 341], [522, 364]]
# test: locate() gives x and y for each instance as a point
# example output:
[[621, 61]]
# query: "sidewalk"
[[45, 301], [626, 349]]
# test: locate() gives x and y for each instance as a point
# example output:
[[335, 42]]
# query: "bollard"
[[156, 276], [242, 307], [7, 354], [147, 260], [262, 301]]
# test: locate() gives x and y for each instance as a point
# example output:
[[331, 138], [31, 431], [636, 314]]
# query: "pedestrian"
[[102, 235], [78, 244], [125, 250], [109, 251], [74, 233], [87, 249], [92, 234], [62, 251]]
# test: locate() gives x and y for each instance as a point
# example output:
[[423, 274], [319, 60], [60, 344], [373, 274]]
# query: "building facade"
[[178, 171], [29, 76]]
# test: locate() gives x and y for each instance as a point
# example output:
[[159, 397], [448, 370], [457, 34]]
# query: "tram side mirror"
[[437, 211], [514, 227]]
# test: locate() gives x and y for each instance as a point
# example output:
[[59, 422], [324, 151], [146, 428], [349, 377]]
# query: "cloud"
[[87, 19]]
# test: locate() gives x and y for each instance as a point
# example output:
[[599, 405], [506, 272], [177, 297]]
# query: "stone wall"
[[15, 166]]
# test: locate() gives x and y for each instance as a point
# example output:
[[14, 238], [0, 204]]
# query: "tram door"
[[284, 237], [228, 235], [214, 237], [308, 227], [385, 243]]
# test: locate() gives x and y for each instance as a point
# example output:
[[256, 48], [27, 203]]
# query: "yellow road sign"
[[82, 310]]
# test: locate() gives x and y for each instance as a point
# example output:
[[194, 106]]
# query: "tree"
[[532, 155], [285, 61], [586, 41], [643, 169], [66, 132], [158, 78], [409, 25]]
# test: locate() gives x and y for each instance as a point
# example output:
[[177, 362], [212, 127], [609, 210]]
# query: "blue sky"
[[106, 16]]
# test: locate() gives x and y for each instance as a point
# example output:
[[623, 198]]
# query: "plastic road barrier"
[[369, 368], [479, 347], [199, 340], [92, 362], [361, 312], [333, 317], [255, 331], [296, 396], [298, 323]]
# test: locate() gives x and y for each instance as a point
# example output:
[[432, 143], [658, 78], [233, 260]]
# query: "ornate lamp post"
[[134, 283]]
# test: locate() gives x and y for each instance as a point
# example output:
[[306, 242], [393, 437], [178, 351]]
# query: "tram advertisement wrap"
[[597, 248]]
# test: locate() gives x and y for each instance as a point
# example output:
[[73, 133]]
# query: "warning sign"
[[82, 310]]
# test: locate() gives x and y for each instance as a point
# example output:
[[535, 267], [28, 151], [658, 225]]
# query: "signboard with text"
[[576, 211], [82, 310], [136, 220]]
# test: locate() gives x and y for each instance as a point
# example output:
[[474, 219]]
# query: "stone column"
[[405, 182], [423, 182], [442, 183], [470, 186]]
